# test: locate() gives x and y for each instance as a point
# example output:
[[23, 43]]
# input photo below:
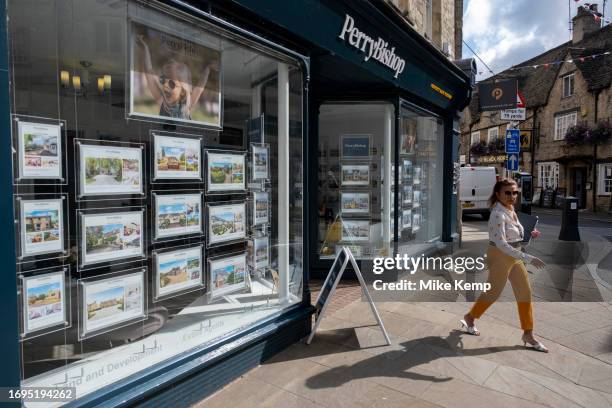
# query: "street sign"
[[512, 162], [525, 139], [513, 114], [520, 100], [513, 141]]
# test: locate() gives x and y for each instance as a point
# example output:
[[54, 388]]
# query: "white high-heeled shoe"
[[470, 329], [536, 346]]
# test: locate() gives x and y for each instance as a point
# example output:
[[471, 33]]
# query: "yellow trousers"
[[503, 267]]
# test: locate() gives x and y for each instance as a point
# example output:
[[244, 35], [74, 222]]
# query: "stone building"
[[568, 87], [440, 21]]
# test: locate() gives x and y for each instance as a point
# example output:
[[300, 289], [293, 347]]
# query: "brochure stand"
[[329, 287]]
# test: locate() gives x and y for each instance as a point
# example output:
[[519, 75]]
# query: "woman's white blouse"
[[503, 229]]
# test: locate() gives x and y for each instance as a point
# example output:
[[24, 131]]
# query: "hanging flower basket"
[[479, 148], [601, 134], [497, 146], [576, 135]]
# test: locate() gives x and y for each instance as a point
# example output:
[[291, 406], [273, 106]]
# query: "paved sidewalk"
[[582, 214], [433, 364]]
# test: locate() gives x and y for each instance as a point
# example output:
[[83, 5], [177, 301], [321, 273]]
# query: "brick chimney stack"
[[584, 22]]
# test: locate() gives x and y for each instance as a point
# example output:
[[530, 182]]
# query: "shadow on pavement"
[[396, 363]]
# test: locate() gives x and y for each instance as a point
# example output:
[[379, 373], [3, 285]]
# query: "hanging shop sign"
[[498, 95], [377, 49], [525, 139]]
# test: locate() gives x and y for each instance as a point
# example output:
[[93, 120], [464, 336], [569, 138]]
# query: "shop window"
[[356, 176], [568, 85], [420, 177], [158, 187], [605, 179], [564, 122], [548, 175], [474, 138], [492, 134]]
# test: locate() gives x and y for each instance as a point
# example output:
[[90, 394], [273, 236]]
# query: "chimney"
[[584, 22]]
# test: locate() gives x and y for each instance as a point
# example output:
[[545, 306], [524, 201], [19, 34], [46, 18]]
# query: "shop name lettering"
[[178, 45], [376, 49], [96, 374]]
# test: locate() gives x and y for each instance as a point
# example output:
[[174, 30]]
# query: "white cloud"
[[507, 32]]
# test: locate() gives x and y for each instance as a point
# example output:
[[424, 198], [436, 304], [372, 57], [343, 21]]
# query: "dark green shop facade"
[[177, 172]]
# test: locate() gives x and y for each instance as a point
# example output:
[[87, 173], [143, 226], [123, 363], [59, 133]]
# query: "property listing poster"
[[108, 170], [228, 275], [225, 172], [40, 150], [44, 301], [226, 222], [42, 229], [111, 301], [177, 158], [111, 236], [178, 271], [178, 214]]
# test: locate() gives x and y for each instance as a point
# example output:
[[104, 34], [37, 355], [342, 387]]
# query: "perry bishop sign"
[[377, 49]]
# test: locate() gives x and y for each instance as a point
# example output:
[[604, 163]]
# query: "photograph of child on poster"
[[174, 78]]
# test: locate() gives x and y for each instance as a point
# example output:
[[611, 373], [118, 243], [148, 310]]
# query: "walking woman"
[[506, 261]]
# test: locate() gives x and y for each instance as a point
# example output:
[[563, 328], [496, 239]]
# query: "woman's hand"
[[535, 233], [537, 262]]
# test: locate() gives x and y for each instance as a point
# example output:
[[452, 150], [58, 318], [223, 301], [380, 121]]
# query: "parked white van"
[[475, 187]]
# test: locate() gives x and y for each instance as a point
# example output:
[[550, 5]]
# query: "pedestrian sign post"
[[513, 141], [512, 162]]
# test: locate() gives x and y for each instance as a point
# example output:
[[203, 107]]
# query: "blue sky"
[[507, 32]]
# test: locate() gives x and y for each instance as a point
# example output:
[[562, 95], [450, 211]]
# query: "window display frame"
[[344, 183], [254, 246], [82, 213], [358, 212], [23, 279], [254, 218], [238, 189], [155, 205], [155, 275], [63, 222], [79, 170], [254, 175], [83, 332], [155, 177], [19, 155], [344, 156], [351, 239], [181, 24], [216, 294], [209, 235]]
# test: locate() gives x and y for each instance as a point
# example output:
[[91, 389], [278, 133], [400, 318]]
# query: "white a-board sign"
[[329, 287]]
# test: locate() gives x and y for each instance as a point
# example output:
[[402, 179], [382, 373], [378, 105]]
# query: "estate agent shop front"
[[178, 170]]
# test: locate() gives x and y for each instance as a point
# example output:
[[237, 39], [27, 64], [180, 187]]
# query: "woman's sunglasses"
[[508, 193], [163, 80]]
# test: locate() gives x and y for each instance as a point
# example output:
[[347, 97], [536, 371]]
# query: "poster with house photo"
[[40, 150], [178, 271], [176, 158], [228, 275], [177, 214], [110, 170], [42, 229], [226, 222], [111, 236], [44, 301], [112, 301]]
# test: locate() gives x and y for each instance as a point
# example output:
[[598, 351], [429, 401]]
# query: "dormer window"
[[568, 85]]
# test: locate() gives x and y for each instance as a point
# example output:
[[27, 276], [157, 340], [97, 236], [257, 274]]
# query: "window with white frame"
[[605, 179], [548, 175], [474, 138], [492, 134], [563, 122], [568, 85]]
